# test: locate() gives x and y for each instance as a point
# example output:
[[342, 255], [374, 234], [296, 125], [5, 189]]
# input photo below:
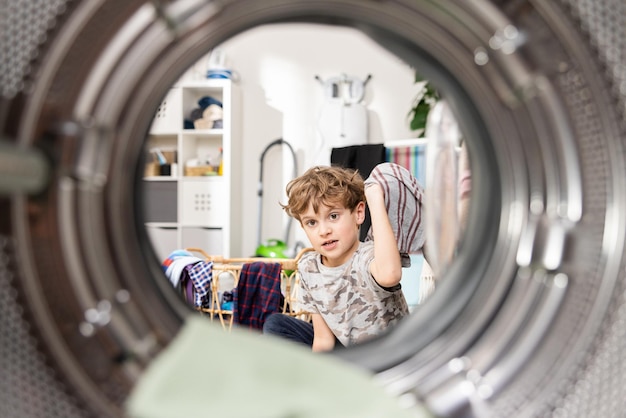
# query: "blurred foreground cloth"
[[206, 372]]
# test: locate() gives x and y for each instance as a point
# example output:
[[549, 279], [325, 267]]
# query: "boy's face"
[[333, 231]]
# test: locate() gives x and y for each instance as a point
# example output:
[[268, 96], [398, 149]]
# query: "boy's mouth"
[[328, 244]]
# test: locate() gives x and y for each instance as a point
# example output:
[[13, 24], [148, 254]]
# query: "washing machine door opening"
[[515, 313]]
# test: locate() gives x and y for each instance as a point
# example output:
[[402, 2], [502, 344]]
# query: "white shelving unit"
[[203, 211]]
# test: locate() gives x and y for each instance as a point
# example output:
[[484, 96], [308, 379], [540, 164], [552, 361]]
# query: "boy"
[[352, 288]]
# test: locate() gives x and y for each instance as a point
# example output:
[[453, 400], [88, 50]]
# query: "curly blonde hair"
[[324, 185]]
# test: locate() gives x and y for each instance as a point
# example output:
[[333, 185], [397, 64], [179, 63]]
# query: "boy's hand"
[[386, 266], [373, 191], [323, 337]]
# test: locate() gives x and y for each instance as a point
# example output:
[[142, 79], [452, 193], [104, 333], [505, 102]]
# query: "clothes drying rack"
[[290, 279]]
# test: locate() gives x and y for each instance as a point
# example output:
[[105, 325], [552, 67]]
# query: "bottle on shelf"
[[220, 169]]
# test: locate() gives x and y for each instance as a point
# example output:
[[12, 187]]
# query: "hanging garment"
[[343, 119], [190, 275], [201, 275], [413, 158], [362, 158], [343, 124], [403, 197], [257, 294], [186, 288]]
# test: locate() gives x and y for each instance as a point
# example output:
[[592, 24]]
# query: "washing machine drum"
[[528, 319]]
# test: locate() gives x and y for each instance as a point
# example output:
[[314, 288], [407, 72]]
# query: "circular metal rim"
[[503, 256]]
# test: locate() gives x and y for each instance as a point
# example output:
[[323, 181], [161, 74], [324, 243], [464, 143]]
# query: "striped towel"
[[403, 198], [413, 158]]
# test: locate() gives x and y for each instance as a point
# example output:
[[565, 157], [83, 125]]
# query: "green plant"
[[424, 101]]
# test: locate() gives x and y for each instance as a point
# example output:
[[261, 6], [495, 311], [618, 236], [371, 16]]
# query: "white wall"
[[281, 98]]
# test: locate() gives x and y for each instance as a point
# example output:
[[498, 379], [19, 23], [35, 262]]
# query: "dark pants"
[[290, 328]]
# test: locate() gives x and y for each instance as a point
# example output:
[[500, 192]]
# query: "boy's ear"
[[360, 213]]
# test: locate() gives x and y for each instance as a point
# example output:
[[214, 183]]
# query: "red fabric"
[[258, 294]]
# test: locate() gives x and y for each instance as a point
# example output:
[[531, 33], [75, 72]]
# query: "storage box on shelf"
[[154, 167], [194, 205]]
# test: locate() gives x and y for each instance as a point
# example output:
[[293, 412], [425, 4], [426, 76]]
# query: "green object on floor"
[[272, 248], [206, 372]]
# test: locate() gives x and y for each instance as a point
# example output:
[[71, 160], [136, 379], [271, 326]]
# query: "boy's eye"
[[334, 216], [310, 222]]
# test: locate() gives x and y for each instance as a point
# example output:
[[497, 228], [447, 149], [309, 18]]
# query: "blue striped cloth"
[[413, 158]]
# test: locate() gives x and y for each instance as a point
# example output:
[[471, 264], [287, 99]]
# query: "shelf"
[[161, 178], [202, 178], [206, 83], [203, 132], [164, 134], [164, 225], [195, 211], [199, 226]]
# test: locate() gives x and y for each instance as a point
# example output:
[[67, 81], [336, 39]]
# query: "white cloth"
[[178, 264]]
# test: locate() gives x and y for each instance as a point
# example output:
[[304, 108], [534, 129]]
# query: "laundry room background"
[[310, 88], [276, 68]]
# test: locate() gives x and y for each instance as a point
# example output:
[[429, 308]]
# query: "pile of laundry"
[[208, 115], [256, 295], [191, 276]]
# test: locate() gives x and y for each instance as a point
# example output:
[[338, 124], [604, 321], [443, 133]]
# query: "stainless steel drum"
[[530, 319]]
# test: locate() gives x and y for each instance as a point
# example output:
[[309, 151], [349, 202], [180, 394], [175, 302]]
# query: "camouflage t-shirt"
[[354, 306]]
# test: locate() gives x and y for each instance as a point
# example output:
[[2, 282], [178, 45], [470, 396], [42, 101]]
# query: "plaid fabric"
[[201, 275], [257, 294]]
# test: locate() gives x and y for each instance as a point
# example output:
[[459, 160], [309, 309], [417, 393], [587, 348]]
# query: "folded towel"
[[207, 101], [403, 198]]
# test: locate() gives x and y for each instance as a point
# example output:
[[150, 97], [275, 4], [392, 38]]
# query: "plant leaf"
[[420, 114]]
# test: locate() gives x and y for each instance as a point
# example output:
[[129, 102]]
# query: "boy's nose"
[[325, 229]]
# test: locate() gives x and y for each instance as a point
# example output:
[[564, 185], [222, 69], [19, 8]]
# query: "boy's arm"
[[323, 337], [386, 266]]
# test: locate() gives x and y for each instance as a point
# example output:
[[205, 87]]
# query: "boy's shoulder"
[[309, 256], [364, 252]]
